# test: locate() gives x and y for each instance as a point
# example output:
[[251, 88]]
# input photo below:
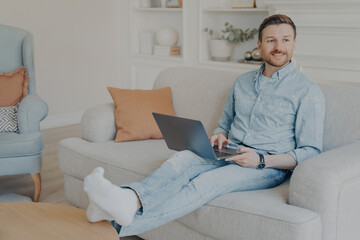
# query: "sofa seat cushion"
[[244, 213], [78, 157], [17, 145]]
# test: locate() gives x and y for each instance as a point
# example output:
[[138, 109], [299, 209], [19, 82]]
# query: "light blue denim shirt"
[[285, 116]]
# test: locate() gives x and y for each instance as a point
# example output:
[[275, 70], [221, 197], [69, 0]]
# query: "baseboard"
[[61, 120]]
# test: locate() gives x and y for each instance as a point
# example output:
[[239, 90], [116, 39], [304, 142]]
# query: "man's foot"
[[120, 203], [95, 214]]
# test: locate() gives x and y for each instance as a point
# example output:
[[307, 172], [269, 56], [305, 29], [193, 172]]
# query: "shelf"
[[235, 10], [231, 64], [154, 57], [158, 9]]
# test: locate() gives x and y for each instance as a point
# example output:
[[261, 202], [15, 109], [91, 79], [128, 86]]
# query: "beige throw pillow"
[[133, 112], [13, 87]]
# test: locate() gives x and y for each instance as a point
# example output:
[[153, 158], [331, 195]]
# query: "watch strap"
[[262, 159], [261, 164]]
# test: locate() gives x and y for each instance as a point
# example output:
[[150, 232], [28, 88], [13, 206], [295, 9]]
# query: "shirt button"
[[249, 134]]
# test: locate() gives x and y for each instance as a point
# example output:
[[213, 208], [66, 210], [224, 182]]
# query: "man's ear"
[[259, 45]]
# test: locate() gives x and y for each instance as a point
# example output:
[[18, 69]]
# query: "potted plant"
[[222, 44]]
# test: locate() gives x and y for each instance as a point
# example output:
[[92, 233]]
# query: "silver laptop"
[[187, 134]]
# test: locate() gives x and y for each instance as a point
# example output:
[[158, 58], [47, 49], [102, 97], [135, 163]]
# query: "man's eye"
[[286, 40], [270, 41]]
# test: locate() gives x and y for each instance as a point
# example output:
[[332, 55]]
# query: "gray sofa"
[[319, 201]]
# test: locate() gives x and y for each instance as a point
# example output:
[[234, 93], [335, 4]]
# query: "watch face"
[[261, 166]]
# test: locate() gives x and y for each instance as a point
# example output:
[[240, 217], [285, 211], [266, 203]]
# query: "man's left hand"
[[247, 158]]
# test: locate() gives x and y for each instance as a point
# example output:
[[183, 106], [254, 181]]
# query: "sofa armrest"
[[98, 123], [32, 109], [330, 185]]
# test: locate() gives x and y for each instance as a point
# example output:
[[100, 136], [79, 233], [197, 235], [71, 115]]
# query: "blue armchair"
[[20, 153]]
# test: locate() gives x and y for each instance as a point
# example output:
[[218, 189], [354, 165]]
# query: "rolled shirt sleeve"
[[309, 125]]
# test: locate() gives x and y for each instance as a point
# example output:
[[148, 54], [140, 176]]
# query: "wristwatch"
[[261, 164]]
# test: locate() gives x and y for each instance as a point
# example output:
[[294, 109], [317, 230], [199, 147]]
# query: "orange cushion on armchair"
[[13, 87], [133, 112]]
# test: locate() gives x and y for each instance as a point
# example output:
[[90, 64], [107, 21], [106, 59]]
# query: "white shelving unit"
[[145, 67], [335, 21], [213, 14], [151, 20], [189, 22]]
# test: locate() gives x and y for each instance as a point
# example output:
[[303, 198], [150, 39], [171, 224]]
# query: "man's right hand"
[[219, 139]]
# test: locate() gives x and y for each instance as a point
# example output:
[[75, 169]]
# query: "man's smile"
[[278, 54]]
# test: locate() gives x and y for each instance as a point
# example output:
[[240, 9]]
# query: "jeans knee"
[[184, 159], [186, 155]]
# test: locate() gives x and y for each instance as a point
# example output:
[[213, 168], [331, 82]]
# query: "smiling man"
[[275, 116], [276, 112]]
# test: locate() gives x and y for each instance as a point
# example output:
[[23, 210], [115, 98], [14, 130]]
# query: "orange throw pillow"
[[13, 87], [133, 112]]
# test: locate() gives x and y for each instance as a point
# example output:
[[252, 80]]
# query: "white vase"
[[147, 42], [163, 3], [260, 4], [166, 36], [220, 50]]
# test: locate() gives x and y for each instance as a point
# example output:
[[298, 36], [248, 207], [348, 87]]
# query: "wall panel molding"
[[328, 37], [343, 63]]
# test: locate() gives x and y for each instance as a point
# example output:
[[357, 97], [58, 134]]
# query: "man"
[[275, 115]]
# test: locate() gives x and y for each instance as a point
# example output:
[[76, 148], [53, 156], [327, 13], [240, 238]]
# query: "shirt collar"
[[278, 74]]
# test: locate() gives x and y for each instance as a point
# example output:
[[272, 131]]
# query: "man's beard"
[[275, 63]]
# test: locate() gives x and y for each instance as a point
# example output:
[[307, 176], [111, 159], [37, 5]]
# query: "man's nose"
[[278, 46]]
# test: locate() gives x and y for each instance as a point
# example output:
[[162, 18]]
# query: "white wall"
[[78, 51]]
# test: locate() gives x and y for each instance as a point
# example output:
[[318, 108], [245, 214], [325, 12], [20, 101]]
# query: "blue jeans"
[[186, 182]]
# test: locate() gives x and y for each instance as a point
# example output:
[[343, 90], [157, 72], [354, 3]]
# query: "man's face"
[[277, 44]]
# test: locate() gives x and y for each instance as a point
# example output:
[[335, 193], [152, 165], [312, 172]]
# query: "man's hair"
[[276, 20]]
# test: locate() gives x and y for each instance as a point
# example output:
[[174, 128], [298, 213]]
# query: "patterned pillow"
[[8, 119]]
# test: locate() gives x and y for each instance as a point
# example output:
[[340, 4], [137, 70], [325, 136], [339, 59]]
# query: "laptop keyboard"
[[221, 154]]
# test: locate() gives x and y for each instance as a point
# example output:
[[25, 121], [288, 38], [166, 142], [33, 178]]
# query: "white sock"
[[95, 214], [120, 203]]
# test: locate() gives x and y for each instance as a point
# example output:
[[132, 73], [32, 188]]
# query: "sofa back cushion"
[[342, 116], [200, 93]]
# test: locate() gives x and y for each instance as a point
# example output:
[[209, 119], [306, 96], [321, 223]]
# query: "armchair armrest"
[[98, 123], [330, 185], [32, 109]]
